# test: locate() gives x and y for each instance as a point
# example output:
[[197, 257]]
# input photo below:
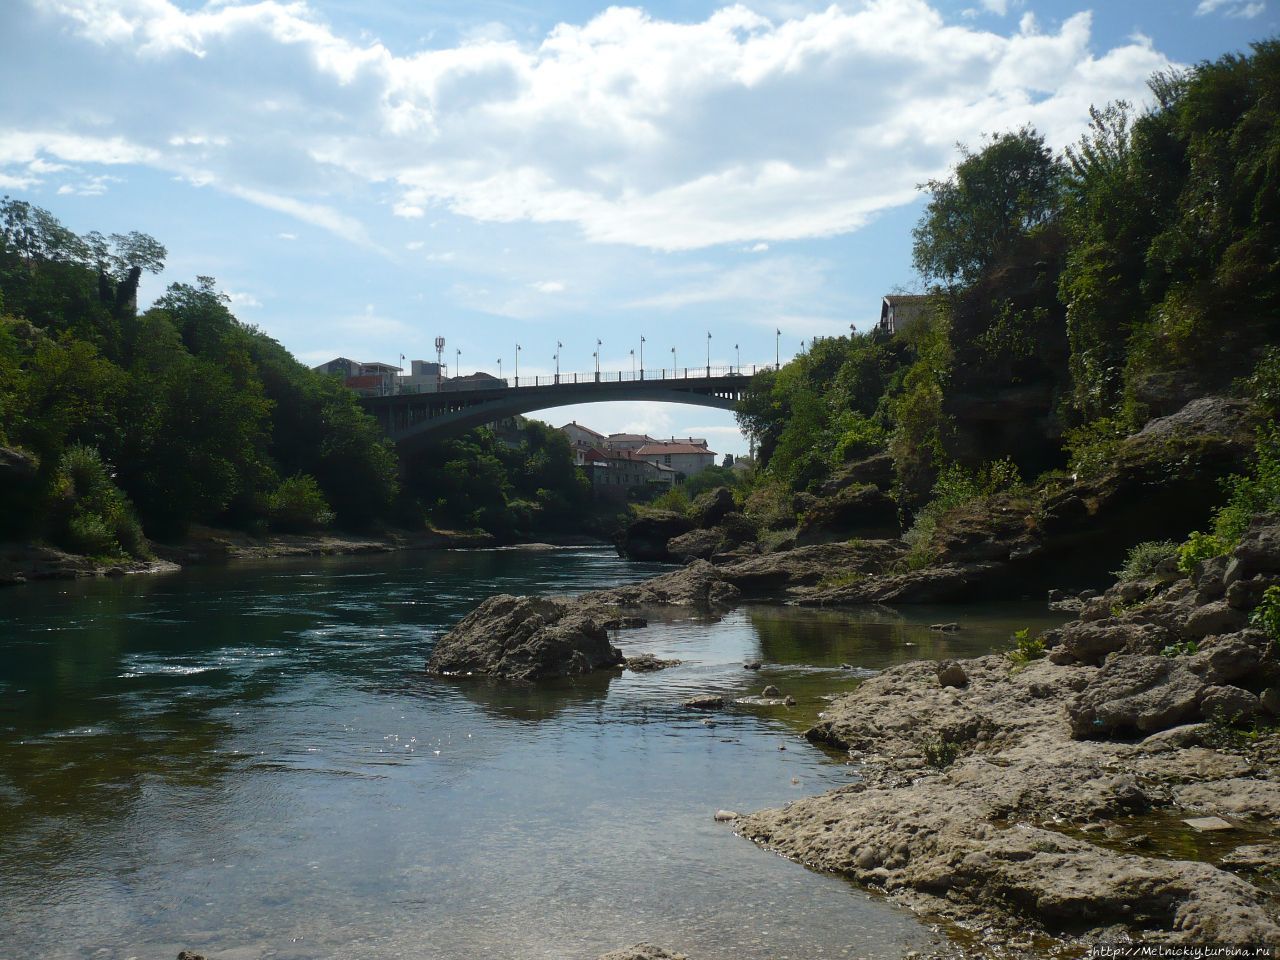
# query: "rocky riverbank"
[[25, 562], [1126, 786]]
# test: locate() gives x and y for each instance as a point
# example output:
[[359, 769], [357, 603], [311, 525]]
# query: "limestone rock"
[[1136, 694], [695, 545], [1214, 618], [865, 511], [648, 663], [524, 638], [643, 951], [1231, 704], [951, 674], [708, 701], [710, 508], [646, 537]]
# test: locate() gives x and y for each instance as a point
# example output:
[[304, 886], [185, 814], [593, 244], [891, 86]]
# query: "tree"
[[1003, 192]]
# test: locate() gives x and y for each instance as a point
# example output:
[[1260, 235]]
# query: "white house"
[[681, 456]]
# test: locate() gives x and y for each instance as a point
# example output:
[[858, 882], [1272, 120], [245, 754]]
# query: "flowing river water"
[[249, 762]]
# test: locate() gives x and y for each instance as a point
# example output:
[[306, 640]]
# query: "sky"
[[362, 176]]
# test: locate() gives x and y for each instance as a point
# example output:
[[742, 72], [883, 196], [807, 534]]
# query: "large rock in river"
[[646, 537], [524, 638]]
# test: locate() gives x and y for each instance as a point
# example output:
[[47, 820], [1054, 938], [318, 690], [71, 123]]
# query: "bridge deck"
[[412, 419]]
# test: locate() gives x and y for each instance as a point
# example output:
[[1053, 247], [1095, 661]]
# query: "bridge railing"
[[605, 376]]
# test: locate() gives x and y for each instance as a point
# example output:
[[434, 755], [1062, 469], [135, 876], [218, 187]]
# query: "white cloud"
[[740, 128], [758, 248], [1241, 9], [549, 286], [242, 299], [777, 280], [287, 236]]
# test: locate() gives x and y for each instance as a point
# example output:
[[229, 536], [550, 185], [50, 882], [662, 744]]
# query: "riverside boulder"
[[524, 638]]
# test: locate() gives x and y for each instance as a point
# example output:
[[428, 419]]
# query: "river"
[[249, 762]]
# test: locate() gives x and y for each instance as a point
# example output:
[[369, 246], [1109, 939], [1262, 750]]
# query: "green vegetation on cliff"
[[1073, 298]]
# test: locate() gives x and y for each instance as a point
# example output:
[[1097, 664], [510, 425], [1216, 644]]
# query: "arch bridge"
[[412, 420]]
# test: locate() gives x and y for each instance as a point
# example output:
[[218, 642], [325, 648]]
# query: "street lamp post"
[[457, 361], [708, 353], [777, 349], [597, 356], [559, 347], [633, 363], [499, 368], [738, 355], [517, 364], [674, 362], [642, 358]]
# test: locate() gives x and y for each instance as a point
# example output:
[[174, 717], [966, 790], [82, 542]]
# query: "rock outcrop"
[[524, 638], [646, 537], [993, 792], [1161, 483]]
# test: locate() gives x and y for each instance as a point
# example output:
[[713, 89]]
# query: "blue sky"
[[361, 176]]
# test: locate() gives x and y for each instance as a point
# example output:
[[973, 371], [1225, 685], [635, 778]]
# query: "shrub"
[[298, 504], [1184, 649], [675, 500], [88, 534], [1256, 493], [856, 436], [1145, 559], [770, 505], [1027, 648], [91, 515], [954, 488], [1267, 615], [939, 752], [1092, 448]]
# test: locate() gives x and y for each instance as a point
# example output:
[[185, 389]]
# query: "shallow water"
[[249, 762]]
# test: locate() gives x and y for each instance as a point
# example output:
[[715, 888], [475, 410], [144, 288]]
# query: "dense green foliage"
[[1248, 495], [1074, 297], [511, 482], [182, 414]]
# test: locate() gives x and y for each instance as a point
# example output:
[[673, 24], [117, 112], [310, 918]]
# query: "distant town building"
[[366, 379], [583, 439], [898, 311], [627, 441], [424, 377], [682, 456]]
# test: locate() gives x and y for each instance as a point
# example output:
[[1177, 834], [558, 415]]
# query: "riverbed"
[[249, 762]]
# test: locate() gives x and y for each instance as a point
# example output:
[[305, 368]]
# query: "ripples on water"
[[250, 762]]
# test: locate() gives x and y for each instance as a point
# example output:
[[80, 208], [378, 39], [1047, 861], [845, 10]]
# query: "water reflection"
[[251, 760]]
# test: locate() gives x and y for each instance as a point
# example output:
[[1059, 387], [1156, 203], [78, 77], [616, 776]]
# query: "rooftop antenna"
[[439, 351]]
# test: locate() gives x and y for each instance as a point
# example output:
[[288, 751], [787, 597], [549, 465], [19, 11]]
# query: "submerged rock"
[[648, 663], [524, 638], [643, 951], [705, 702]]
